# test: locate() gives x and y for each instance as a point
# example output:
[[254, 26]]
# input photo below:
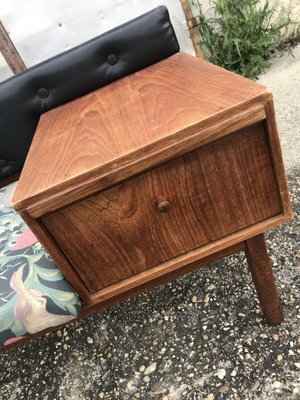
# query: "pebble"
[[160, 391], [132, 384], [146, 379], [164, 366], [279, 357], [233, 373], [277, 385], [142, 368], [206, 299], [90, 340], [137, 395], [194, 299], [275, 337], [224, 389], [151, 368], [210, 397], [221, 373], [59, 333], [161, 368]]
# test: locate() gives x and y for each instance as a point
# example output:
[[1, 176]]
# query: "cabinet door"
[[209, 193]]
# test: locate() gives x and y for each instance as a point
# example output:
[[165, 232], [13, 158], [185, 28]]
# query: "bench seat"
[[34, 295]]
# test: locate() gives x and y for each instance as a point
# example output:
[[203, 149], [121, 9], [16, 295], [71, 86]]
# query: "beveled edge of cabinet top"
[[153, 120], [111, 174]]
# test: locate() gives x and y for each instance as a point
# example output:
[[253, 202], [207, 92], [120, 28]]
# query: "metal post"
[[191, 10]]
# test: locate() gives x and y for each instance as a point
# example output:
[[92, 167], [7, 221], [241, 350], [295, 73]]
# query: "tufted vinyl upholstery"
[[111, 56]]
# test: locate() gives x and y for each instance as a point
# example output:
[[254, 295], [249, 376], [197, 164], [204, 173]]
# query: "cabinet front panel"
[[188, 202]]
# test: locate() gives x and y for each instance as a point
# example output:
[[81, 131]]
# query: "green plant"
[[243, 34]]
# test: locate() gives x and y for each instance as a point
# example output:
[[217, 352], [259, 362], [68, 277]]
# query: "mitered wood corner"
[[151, 176]]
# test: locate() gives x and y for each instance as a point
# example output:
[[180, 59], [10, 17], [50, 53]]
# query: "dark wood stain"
[[213, 192]]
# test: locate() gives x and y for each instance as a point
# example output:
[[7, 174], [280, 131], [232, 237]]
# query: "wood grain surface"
[[134, 163], [277, 159], [212, 192], [263, 278], [57, 254], [127, 116]]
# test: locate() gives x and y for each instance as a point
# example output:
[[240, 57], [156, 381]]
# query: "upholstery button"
[[3, 163], [112, 59], [43, 93]]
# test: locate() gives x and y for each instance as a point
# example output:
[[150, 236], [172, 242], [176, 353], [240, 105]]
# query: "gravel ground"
[[201, 337]]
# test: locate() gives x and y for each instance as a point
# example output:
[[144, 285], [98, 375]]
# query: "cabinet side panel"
[[277, 159], [58, 256]]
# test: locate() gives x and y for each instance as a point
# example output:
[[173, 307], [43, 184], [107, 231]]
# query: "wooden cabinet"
[[139, 181], [214, 191]]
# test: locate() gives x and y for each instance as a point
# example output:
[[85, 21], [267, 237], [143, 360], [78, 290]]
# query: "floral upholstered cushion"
[[33, 293]]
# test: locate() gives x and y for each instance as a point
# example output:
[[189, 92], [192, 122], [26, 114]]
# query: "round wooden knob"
[[163, 206]]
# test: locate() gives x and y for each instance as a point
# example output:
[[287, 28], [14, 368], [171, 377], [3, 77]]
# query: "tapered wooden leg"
[[263, 278]]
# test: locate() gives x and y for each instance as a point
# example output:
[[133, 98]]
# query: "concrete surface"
[[283, 79], [201, 337]]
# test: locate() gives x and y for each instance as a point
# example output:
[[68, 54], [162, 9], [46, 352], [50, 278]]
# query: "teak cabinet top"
[[131, 125]]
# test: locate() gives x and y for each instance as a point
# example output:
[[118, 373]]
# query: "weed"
[[243, 35]]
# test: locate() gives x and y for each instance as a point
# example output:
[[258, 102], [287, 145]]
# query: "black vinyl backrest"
[[117, 53]]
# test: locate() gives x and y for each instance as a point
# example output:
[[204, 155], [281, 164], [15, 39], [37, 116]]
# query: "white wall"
[[5, 71], [43, 28]]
